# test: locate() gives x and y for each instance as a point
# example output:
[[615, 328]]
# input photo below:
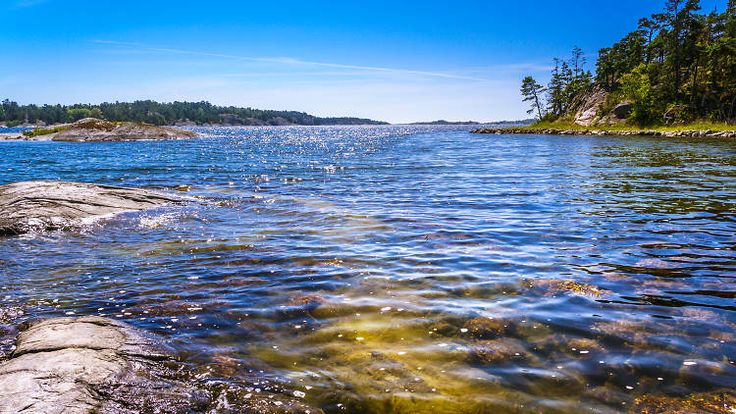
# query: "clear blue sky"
[[390, 60]]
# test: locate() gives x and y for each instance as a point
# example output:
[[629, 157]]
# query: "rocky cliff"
[[592, 107]]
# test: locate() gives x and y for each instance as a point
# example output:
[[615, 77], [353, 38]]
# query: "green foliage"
[[557, 96], [677, 66], [567, 124], [75, 114], [621, 58], [637, 88], [569, 78], [532, 91], [160, 114], [45, 131]]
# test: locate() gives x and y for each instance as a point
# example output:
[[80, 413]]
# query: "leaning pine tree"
[[532, 92]]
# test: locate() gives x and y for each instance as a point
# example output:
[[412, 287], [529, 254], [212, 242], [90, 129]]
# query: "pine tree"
[[578, 61], [556, 91], [532, 92]]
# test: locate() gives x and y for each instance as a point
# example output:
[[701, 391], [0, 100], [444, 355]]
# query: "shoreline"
[[13, 136], [693, 133]]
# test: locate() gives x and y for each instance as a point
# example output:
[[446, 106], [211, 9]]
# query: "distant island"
[[675, 75], [157, 113], [521, 122], [443, 122]]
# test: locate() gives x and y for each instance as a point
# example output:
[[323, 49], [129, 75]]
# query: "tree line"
[[678, 66], [11, 113]]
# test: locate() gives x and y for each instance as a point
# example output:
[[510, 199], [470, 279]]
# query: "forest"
[[11, 113], [677, 67]]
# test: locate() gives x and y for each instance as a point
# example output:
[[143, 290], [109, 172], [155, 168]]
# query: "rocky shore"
[[11, 136], [97, 130], [62, 365], [91, 364], [97, 365], [607, 132], [53, 205]]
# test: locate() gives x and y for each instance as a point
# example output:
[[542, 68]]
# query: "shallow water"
[[408, 269]]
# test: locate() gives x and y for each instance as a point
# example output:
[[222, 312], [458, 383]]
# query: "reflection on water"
[[407, 269]]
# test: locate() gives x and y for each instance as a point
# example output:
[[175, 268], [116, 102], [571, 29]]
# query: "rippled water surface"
[[409, 269]]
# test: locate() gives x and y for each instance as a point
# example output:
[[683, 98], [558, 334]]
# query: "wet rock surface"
[[497, 351], [9, 314], [714, 402], [94, 364], [485, 328], [47, 205], [57, 364]]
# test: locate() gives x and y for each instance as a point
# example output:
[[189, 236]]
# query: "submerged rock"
[[50, 205], [497, 351], [714, 402], [97, 365], [485, 328], [554, 287]]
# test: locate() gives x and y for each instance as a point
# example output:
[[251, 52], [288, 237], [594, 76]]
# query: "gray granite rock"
[[96, 365], [50, 205], [58, 363]]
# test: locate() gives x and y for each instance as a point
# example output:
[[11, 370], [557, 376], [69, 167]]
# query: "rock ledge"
[[50, 205], [59, 363], [91, 364]]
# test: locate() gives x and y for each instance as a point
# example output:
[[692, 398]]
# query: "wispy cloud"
[[289, 61], [524, 67]]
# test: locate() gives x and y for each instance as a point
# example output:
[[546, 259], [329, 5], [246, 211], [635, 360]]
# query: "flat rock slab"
[[58, 364], [97, 365], [51, 205]]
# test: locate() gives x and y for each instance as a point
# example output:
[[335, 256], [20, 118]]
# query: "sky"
[[396, 61]]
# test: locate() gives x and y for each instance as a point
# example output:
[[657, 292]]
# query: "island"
[[96, 130], [443, 122], [673, 76]]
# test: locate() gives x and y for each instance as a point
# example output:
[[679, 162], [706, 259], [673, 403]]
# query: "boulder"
[[59, 364], [51, 205], [623, 110], [96, 365]]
